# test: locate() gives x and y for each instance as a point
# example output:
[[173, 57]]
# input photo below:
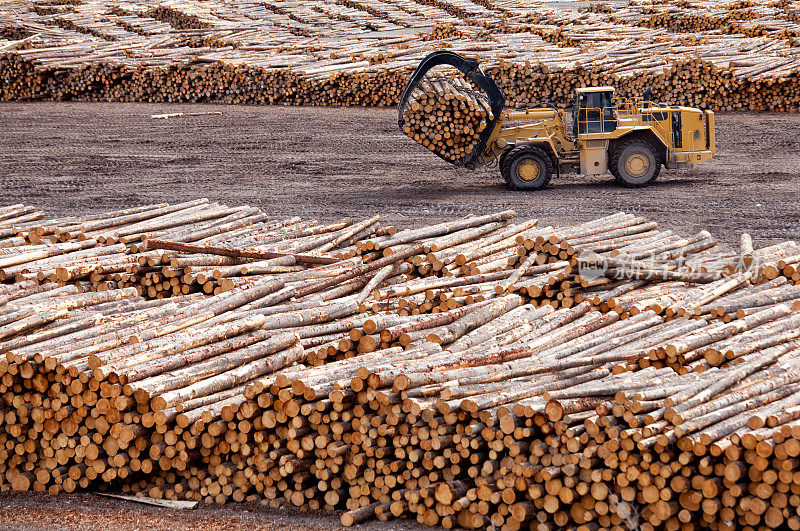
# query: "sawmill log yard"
[[400, 264]]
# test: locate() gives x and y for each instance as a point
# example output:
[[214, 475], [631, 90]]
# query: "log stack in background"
[[742, 56], [484, 371]]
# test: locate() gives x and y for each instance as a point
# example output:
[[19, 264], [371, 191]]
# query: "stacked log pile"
[[447, 116], [605, 374], [699, 53]]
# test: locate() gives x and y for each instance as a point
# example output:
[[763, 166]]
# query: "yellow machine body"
[[680, 136]]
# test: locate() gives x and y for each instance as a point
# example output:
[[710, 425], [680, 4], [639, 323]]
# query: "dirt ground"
[[74, 158], [81, 512], [329, 162]]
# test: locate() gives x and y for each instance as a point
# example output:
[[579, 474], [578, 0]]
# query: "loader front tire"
[[635, 164], [526, 168]]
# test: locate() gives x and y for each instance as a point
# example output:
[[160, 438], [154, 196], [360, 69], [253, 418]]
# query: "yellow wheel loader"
[[631, 138]]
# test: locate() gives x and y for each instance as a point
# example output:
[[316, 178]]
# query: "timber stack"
[[483, 371], [361, 52], [447, 116]]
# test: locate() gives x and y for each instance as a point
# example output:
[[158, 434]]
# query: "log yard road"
[[76, 158]]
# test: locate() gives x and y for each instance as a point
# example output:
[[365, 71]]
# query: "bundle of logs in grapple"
[[447, 116], [481, 372]]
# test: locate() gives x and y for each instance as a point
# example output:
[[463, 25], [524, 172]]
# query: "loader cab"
[[592, 111]]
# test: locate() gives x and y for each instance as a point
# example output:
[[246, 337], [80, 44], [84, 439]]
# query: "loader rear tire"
[[526, 168], [635, 164]]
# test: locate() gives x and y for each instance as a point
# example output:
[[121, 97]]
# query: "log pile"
[[447, 116], [604, 374], [350, 53]]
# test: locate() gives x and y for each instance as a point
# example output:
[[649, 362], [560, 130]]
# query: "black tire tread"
[[615, 159], [508, 158]]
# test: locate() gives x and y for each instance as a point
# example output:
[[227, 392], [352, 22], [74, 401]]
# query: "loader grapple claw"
[[451, 115]]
